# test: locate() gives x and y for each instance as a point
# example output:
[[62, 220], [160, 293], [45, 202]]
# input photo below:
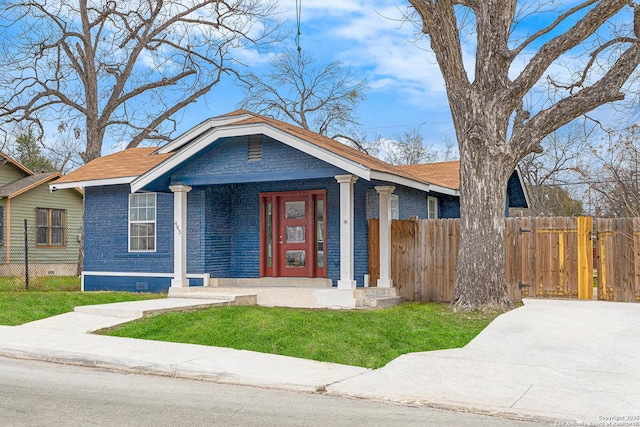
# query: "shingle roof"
[[444, 174], [134, 162], [16, 163], [20, 186], [128, 163]]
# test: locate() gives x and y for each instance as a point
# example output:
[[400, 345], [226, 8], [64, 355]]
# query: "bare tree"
[[123, 67], [409, 149], [494, 129], [321, 98], [612, 172], [551, 175]]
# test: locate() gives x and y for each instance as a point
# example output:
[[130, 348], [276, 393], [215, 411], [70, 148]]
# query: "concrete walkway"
[[548, 360], [575, 360]]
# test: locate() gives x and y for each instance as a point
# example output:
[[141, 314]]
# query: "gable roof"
[[119, 168], [141, 166], [16, 163], [25, 184], [242, 123], [446, 174]]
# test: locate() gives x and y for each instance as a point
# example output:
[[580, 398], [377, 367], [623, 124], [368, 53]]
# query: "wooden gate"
[[550, 257], [617, 251]]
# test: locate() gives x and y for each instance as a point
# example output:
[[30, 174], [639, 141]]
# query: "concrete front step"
[[245, 298], [295, 296], [382, 302], [374, 292], [376, 297]]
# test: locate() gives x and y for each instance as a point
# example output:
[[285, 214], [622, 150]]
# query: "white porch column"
[[179, 235], [384, 194], [346, 231]]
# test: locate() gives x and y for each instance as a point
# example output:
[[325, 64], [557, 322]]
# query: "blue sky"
[[406, 89]]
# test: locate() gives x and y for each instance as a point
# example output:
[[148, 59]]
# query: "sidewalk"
[[548, 360]]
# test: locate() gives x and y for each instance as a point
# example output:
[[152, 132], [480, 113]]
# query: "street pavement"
[[550, 360]]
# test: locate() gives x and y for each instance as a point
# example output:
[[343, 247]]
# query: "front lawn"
[[17, 308], [368, 338]]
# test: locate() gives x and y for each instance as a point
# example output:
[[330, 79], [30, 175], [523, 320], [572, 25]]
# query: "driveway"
[[556, 359]]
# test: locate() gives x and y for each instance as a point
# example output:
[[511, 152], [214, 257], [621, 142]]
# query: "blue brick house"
[[246, 197]]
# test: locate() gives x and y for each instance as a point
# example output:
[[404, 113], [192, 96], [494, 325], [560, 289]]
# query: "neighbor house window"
[[432, 205], [142, 222], [50, 227], [1, 225], [395, 207]]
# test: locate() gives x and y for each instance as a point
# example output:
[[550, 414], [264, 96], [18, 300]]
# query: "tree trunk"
[[95, 137], [480, 272]]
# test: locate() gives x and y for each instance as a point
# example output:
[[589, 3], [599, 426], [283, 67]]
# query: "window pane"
[[295, 234], [57, 217], [41, 236], [269, 234], [294, 210], [57, 236], [320, 232], [295, 258], [42, 217]]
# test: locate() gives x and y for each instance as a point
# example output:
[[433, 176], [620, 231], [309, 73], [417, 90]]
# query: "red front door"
[[293, 234]]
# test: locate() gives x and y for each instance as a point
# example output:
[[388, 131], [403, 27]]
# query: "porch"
[[291, 292]]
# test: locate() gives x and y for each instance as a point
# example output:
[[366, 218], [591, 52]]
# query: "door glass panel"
[[295, 258], [295, 234], [320, 231], [294, 210], [269, 234]]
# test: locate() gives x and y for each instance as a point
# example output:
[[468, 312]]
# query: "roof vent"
[[255, 148]]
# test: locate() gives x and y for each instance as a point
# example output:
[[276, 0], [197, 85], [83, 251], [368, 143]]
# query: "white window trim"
[[393, 198], [434, 200], [155, 228]]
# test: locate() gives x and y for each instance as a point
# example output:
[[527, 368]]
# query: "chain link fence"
[[42, 260]]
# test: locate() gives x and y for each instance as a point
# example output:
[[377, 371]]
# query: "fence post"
[[26, 255], [585, 258]]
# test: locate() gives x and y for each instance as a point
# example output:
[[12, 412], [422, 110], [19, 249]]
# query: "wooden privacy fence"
[[545, 257]]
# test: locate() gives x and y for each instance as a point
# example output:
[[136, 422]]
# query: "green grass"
[[41, 283], [368, 338], [22, 307]]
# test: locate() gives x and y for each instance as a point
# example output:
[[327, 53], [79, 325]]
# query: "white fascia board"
[[396, 179], [444, 190], [249, 129], [198, 130], [92, 183], [524, 187]]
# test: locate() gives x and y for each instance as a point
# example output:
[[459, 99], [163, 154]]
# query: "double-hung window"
[[432, 205], [142, 222], [395, 206], [50, 227]]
